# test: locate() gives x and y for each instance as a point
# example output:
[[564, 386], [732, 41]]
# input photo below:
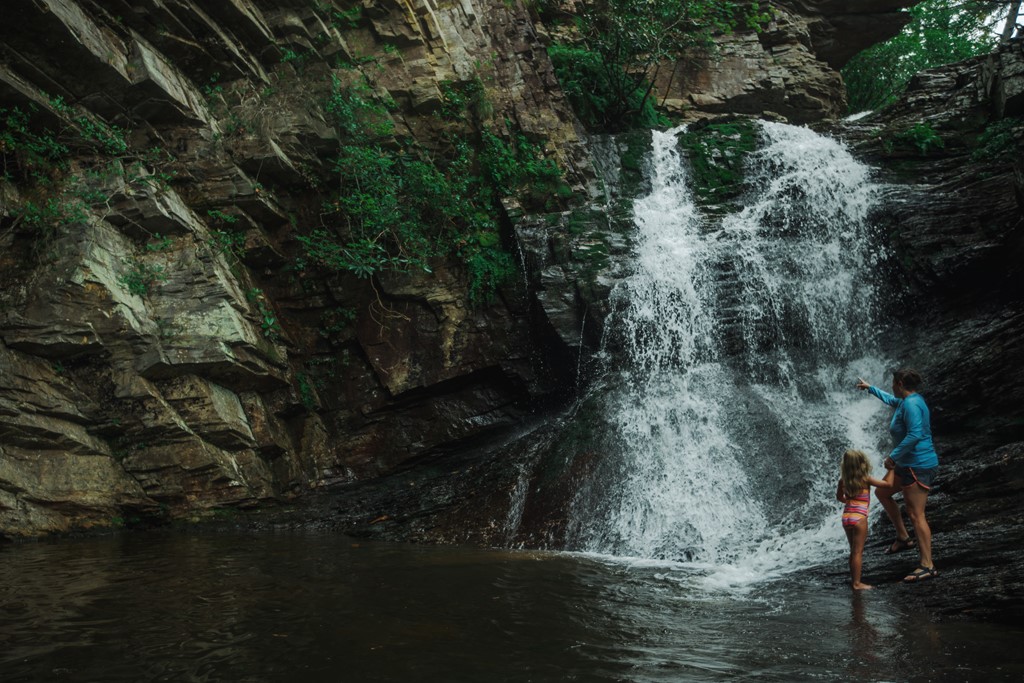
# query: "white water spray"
[[743, 339]]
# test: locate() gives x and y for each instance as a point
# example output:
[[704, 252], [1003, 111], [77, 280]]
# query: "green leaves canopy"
[[940, 32]]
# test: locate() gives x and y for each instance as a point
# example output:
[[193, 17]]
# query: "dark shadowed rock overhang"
[[839, 29]]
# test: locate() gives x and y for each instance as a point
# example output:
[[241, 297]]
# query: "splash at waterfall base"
[[978, 555]]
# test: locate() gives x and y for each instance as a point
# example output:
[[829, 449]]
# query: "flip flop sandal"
[[901, 544], [921, 574]]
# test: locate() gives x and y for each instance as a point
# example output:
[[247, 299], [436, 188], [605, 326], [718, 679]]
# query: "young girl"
[[854, 490]]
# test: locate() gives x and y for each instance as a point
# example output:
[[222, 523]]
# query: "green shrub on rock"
[[611, 61], [399, 207], [921, 136]]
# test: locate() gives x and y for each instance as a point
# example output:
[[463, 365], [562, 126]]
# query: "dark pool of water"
[[315, 607]]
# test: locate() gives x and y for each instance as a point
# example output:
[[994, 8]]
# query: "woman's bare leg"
[[892, 509], [916, 498]]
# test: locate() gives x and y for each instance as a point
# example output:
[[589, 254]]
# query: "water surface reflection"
[[273, 607]]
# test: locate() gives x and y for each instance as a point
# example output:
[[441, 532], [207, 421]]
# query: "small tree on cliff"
[[609, 72]]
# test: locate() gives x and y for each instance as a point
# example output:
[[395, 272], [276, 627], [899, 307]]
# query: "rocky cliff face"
[[948, 157], [162, 354], [789, 68], [949, 162], [159, 351]]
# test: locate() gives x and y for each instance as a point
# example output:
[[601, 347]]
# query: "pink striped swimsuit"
[[857, 508]]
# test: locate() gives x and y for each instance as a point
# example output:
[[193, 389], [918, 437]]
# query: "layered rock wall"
[[786, 68], [159, 352]]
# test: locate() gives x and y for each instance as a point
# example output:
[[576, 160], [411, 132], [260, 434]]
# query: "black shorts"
[[922, 476]]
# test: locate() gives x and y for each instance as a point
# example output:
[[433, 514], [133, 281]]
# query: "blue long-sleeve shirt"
[[911, 430]]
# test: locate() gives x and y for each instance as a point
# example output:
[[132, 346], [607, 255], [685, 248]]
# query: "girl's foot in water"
[[861, 586]]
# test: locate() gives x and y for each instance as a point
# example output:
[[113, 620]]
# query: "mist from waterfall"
[[732, 398]]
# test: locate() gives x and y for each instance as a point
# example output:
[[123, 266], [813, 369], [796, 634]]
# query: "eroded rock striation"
[[159, 353]]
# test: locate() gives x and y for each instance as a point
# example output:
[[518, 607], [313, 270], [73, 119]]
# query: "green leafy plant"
[[29, 150], [269, 323], [110, 138], [139, 176], [920, 136], [609, 70], [212, 89], [225, 241], [221, 217], [459, 98], [290, 55], [939, 32], [346, 18], [141, 276], [399, 207], [518, 166], [229, 244], [159, 243], [592, 88], [54, 213], [25, 151], [1000, 141], [37, 157]]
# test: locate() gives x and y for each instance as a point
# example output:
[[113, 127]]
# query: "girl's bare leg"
[[857, 535]]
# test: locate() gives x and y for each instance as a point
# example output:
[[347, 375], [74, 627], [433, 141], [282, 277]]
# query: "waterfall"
[[732, 398]]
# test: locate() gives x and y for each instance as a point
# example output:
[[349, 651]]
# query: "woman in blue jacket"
[[916, 466]]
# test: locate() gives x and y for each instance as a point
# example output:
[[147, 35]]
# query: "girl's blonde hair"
[[855, 470]]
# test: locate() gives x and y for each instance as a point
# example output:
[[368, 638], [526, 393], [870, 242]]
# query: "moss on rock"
[[717, 151]]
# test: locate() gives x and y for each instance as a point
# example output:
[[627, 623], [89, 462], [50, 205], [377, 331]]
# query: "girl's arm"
[[840, 492], [887, 482]]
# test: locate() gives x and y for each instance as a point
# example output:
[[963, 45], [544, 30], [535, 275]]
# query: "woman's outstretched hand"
[[861, 384]]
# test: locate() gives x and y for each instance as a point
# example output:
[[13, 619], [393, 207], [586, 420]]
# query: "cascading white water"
[[743, 338]]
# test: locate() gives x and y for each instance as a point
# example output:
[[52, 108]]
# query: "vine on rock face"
[[398, 207], [37, 146]]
